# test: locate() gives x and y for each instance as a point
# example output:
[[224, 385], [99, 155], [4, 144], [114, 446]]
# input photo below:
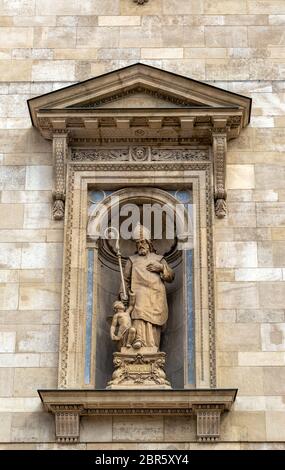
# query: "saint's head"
[[142, 237]]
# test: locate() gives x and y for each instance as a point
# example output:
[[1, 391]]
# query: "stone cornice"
[[68, 405], [123, 123]]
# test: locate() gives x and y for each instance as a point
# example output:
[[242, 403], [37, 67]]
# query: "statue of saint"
[[145, 275]]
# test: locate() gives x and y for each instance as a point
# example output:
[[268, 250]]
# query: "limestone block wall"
[[239, 46]]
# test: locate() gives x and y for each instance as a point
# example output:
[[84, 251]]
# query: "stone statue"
[[145, 274], [139, 318], [121, 327]]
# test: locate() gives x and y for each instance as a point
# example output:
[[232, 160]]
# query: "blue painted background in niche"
[[184, 197], [94, 198], [89, 314]]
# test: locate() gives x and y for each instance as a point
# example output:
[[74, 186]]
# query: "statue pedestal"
[[141, 369]]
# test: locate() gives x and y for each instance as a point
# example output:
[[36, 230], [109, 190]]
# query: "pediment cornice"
[[140, 105], [179, 104]]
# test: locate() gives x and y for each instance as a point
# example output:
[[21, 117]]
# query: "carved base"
[[141, 370]]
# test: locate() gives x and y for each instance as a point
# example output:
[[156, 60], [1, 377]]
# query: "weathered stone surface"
[[11, 216], [6, 382], [241, 215], [274, 380], [33, 427], [275, 425], [236, 254], [269, 214], [159, 53], [12, 70], [259, 359], [9, 296], [41, 317], [174, 7], [19, 360], [53, 70], [7, 341], [240, 176], [273, 337], [12, 177], [238, 337], [271, 315], [237, 294], [37, 216], [259, 274], [5, 428], [248, 380], [96, 429], [42, 255], [37, 339], [244, 426], [131, 429], [39, 178], [180, 428], [99, 37], [226, 36], [272, 294], [54, 37], [28, 381]]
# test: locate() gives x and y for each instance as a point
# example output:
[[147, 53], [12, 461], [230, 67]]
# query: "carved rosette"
[[140, 2], [59, 157], [145, 370], [219, 155]]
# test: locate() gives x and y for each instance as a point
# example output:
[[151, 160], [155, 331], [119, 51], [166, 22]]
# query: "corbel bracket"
[[219, 141], [60, 145]]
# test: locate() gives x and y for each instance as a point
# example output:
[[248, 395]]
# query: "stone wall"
[[238, 46]]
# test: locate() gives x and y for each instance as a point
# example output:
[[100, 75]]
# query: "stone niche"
[[147, 136]]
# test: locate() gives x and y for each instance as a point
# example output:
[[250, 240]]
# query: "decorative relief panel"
[[140, 154]]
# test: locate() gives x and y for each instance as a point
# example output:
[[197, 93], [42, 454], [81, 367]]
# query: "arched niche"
[[173, 238]]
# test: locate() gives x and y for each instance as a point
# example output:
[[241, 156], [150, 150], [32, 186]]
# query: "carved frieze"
[[140, 154], [179, 154], [100, 155]]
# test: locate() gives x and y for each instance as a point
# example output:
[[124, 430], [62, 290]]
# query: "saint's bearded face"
[[142, 247]]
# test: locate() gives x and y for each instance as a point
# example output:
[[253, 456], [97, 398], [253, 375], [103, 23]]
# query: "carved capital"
[[208, 421], [219, 137], [59, 156]]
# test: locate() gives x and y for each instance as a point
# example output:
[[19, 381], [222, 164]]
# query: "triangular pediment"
[[135, 87], [136, 97]]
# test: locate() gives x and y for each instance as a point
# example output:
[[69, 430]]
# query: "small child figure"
[[121, 328]]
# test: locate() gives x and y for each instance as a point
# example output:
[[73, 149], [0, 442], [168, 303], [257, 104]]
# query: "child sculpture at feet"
[[121, 327]]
